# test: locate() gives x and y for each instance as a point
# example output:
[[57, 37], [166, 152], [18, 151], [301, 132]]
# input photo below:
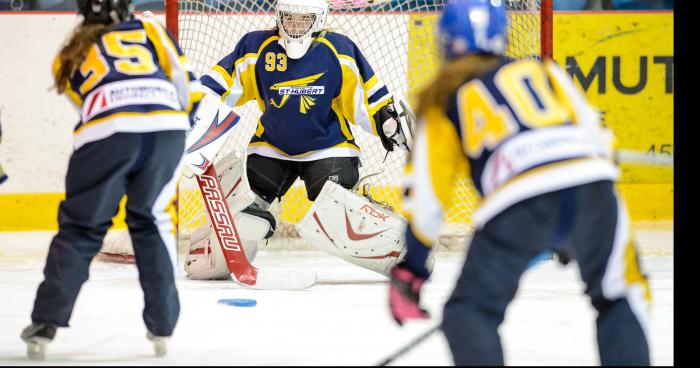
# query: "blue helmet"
[[473, 26]]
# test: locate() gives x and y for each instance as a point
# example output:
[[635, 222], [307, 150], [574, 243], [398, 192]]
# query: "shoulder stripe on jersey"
[[360, 114], [179, 75], [233, 77], [328, 43], [154, 36]]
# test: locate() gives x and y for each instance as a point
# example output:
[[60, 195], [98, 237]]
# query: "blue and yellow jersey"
[[521, 130], [307, 104], [133, 79]]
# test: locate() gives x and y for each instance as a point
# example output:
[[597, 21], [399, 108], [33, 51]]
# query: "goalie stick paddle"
[[229, 240]]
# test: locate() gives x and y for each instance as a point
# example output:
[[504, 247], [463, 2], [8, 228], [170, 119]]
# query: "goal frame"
[[546, 24], [384, 186]]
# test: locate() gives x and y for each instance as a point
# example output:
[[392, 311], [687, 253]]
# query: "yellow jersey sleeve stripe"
[[445, 156], [352, 85], [74, 96], [155, 37], [224, 74], [371, 83], [344, 128]]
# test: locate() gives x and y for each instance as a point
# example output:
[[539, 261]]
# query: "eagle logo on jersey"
[[298, 87]]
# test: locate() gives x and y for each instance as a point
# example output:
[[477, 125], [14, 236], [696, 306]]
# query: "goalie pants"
[[144, 167], [590, 225], [271, 178]]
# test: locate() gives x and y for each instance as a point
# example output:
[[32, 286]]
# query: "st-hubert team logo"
[[298, 87]]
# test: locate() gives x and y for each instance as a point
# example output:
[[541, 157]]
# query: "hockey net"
[[398, 39]]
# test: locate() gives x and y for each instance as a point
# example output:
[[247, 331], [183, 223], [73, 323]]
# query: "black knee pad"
[[341, 170]]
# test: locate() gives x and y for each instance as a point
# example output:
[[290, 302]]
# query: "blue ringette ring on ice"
[[239, 302]]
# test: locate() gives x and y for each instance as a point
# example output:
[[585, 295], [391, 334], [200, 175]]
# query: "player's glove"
[[394, 129], [404, 294]]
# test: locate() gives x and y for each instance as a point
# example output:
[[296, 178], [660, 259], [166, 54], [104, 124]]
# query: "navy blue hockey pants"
[[144, 167], [590, 225]]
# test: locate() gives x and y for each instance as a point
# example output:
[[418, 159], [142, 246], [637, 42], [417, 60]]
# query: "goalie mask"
[[299, 22], [105, 11]]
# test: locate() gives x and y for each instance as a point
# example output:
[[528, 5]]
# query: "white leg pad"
[[348, 225], [205, 260], [234, 181]]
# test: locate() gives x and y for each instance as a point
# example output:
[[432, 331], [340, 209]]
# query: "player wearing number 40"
[[537, 154], [128, 82]]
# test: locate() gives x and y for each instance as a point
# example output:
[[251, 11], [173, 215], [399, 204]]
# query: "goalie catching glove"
[[395, 128]]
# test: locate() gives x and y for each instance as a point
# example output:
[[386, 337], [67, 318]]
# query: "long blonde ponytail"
[[73, 53], [451, 76]]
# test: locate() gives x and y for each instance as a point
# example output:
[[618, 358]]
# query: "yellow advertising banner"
[[624, 63]]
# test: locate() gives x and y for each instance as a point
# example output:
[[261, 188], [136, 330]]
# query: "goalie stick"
[[226, 232]]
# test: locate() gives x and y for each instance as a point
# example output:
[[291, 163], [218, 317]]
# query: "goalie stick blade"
[[282, 279]]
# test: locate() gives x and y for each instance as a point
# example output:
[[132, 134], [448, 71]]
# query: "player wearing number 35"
[[128, 81], [537, 154]]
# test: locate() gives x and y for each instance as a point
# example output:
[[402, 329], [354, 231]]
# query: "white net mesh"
[[396, 37]]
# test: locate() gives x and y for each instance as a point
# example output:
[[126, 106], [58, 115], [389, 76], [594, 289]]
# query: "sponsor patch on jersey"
[[146, 91], [536, 147], [305, 90], [298, 87]]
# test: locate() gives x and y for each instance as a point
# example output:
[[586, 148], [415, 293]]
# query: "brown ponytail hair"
[[451, 76], [75, 50]]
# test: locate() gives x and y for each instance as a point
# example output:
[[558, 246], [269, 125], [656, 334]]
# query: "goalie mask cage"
[[398, 39]]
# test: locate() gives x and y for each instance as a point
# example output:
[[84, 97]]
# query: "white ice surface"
[[343, 320]]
